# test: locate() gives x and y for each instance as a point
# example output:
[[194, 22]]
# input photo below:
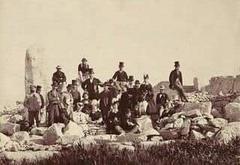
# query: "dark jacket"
[[174, 75], [76, 98], [120, 76], [83, 68], [147, 90], [42, 101], [162, 100], [59, 77], [92, 88], [105, 100]]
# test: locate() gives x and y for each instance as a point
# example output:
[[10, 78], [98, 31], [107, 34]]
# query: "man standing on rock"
[[83, 69], [91, 85], [176, 81], [33, 104], [59, 77], [55, 105]]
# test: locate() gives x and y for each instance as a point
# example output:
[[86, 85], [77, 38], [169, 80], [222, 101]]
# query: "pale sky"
[[148, 35]]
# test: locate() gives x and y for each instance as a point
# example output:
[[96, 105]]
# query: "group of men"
[[120, 102]]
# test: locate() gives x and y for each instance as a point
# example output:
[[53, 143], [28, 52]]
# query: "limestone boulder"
[[9, 128], [86, 143], [218, 122], [196, 135], [38, 131], [73, 129], [203, 107], [186, 127], [216, 113], [237, 100], [53, 133], [193, 113], [199, 121], [12, 146], [3, 140], [169, 134], [16, 118], [36, 139], [232, 112], [121, 146], [130, 137], [21, 137], [178, 123], [67, 139], [229, 132], [5, 118]]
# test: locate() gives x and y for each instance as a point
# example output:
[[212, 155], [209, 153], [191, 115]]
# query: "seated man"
[[95, 114], [129, 123], [113, 125], [85, 104], [162, 100]]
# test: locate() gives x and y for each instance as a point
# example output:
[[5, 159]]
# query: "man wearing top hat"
[[76, 95], [176, 81], [91, 85], [105, 101], [54, 105], [120, 75], [146, 87], [59, 76], [83, 69]]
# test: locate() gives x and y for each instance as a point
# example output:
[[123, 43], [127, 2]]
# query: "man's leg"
[[31, 118], [50, 117], [181, 93], [36, 114]]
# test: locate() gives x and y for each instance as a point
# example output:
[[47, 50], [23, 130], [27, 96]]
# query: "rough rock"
[[156, 138], [216, 113], [21, 137], [232, 112], [169, 126], [196, 135], [186, 127], [9, 128], [203, 107], [4, 140], [148, 144], [67, 139], [200, 121], [53, 133], [169, 134], [36, 139], [237, 100], [121, 146], [16, 118], [229, 132], [104, 138], [130, 137], [73, 129], [177, 115], [210, 134], [178, 123], [38, 131], [4, 118], [85, 142], [193, 113], [218, 122], [12, 146]]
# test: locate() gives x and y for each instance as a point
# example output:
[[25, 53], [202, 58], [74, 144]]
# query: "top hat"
[[121, 64], [146, 76], [90, 70], [176, 63], [131, 78], [58, 67], [84, 59], [137, 82], [74, 82], [69, 86], [162, 87]]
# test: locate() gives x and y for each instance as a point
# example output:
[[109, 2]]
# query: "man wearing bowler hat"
[[76, 95], [176, 81], [83, 69], [59, 76], [120, 75], [91, 85]]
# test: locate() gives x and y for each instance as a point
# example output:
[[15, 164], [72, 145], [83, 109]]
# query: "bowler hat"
[[176, 63], [39, 87], [137, 82], [91, 71], [84, 59], [59, 67], [69, 86], [131, 78], [162, 87]]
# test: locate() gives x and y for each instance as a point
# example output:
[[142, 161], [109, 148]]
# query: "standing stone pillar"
[[35, 73]]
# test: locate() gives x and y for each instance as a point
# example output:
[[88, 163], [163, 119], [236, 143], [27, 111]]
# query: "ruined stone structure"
[[224, 85]]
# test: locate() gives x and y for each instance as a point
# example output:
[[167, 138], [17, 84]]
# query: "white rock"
[[36, 139], [232, 112], [169, 126], [193, 113], [12, 146], [15, 118], [196, 135], [237, 100], [21, 137], [4, 140], [229, 132], [67, 139], [216, 113], [218, 122], [186, 127], [204, 107], [53, 133], [4, 118], [121, 146], [169, 134], [73, 129], [9, 128], [86, 143], [210, 134], [200, 121], [178, 123]]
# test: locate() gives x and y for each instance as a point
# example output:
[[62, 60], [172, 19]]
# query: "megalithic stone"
[[34, 69]]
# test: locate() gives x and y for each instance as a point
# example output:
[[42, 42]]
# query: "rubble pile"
[[197, 97]]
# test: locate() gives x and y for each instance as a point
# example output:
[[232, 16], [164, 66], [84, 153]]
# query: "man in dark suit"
[[162, 100], [59, 76], [83, 69], [146, 88], [120, 75], [176, 81], [91, 85], [105, 102], [75, 94]]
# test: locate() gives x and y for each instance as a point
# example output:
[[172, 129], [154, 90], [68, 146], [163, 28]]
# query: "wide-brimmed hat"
[[121, 64], [176, 63], [58, 67], [130, 78], [84, 59]]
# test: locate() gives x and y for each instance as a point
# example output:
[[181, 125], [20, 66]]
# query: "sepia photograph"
[[120, 82]]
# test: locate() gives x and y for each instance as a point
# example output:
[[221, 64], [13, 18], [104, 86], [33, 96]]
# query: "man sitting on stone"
[[114, 125], [33, 104], [83, 69], [85, 105], [162, 100], [129, 123]]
